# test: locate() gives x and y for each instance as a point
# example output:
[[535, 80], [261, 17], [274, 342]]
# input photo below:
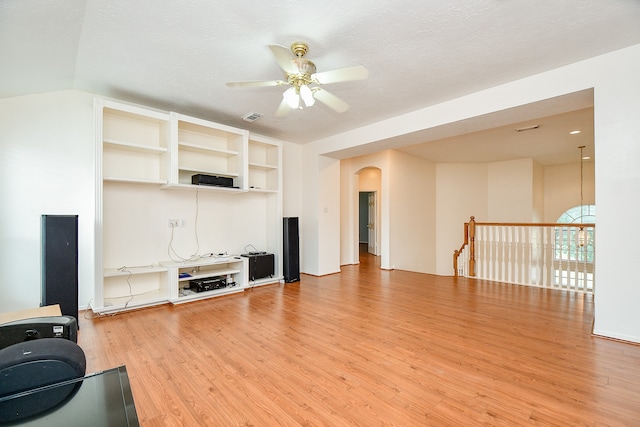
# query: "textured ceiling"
[[177, 55]]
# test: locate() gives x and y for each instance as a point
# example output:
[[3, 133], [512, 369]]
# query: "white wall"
[[412, 213], [136, 231], [292, 185], [46, 167], [291, 179], [617, 132], [510, 199], [538, 193], [562, 188], [461, 192], [348, 206], [320, 211]]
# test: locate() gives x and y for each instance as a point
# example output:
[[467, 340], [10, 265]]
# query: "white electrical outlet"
[[183, 222], [173, 223]]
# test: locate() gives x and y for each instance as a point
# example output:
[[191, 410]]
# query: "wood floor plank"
[[369, 347]]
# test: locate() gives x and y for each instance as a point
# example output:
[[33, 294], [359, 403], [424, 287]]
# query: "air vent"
[[251, 117], [527, 128]]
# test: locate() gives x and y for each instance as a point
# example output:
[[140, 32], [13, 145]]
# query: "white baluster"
[[523, 257], [544, 265], [503, 244], [485, 253], [509, 254]]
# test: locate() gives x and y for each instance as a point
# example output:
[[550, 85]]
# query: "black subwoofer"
[[261, 265], [291, 256], [60, 262]]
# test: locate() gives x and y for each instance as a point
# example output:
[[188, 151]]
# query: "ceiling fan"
[[304, 82]]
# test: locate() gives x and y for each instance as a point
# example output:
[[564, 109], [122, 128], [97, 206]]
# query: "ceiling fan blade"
[[342, 75], [330, 100], [283, 109], [256, 83], [284, 58]]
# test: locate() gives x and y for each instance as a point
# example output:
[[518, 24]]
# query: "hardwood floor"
[[368, 347]]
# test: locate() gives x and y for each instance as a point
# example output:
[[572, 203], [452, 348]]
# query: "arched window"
[[579, 214], [567, 246], [573, 262]]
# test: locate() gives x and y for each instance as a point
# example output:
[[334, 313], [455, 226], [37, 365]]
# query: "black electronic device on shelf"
[[207, 284], [216, 181], [261, 265]]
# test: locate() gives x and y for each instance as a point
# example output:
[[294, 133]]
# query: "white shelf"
[[262, 190], [262, 166], [264, 282], [206, 150], [202, 261], [125, 271], [126, 302], [135, 180], [232, 268], [264, 158], [195, 296], [130, 146], [203, 147], [213, 188], [209, 172]]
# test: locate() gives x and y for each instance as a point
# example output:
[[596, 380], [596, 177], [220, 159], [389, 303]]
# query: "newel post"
[[455, 262], [472, 247]]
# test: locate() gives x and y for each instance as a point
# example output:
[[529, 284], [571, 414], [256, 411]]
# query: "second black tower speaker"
[[291, 259], [60, 262]]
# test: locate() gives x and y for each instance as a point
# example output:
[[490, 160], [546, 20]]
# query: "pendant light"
[[582, 233]]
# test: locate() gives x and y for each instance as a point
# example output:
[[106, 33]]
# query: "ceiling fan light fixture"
[[292, 98], [307, 95], [304, 81]]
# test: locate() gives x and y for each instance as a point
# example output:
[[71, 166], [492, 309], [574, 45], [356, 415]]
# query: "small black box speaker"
[[38, 327], [260, 265]]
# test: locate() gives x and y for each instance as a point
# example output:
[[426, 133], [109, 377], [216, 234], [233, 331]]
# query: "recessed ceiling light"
[[574, 132]]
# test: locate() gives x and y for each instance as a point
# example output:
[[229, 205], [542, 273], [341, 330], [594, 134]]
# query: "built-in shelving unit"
[[134, 144], [140, 153], [264, 165], [233, 269], [132, 287], [204, 147]]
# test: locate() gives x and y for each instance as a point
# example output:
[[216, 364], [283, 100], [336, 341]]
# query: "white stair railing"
[[542, 255]]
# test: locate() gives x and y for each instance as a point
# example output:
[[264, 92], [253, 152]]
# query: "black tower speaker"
[[60, 262], [291, 259]]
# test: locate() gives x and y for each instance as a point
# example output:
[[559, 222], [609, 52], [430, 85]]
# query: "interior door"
[[371, 224]]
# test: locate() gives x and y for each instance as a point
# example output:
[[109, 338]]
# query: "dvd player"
[[217, 181], [207, 284]]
